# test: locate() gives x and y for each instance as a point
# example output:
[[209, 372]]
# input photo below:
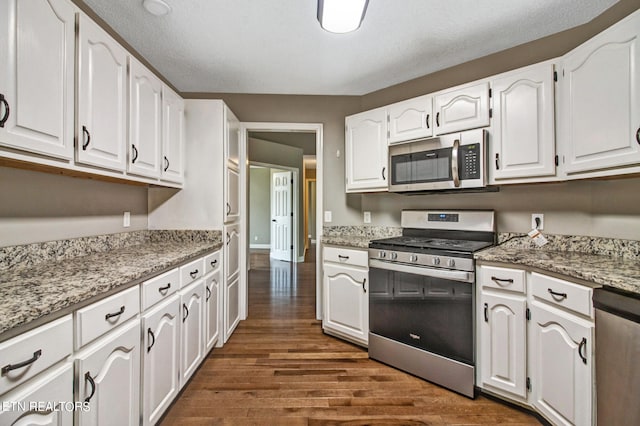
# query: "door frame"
[[294, 200], [245, 128]]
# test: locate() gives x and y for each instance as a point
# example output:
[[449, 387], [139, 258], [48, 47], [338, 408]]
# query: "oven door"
[[427, 308]]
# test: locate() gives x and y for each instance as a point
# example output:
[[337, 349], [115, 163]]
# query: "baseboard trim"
[[259, 246]]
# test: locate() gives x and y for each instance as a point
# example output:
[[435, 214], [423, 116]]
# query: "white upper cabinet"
[[523, 131], [37, 47], [411, 119], [463, 108], [231, 166], [232, 138], [145, 120], [366, 151], [600, 101], [172, 136], [102, 95]]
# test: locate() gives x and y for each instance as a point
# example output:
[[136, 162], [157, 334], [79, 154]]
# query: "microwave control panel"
[[469, 162]]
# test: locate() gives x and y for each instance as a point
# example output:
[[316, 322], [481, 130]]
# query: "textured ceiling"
[[277, 46]]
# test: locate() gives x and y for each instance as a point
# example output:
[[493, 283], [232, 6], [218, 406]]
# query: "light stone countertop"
[[34, 294], [610, 271], [354, 241]]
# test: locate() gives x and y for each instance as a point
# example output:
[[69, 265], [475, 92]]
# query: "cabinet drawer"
[[347, 256], [105, 315], [211, 262], [26, 355], [558, 292], [191, 272], [503, 278], [160, 288]]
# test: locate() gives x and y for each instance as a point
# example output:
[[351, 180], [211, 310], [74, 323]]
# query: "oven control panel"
[[426, 260]]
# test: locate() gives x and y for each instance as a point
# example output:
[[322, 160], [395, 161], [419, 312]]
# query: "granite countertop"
[[356, 236], [32, 292], [356, 241], [609, 271]]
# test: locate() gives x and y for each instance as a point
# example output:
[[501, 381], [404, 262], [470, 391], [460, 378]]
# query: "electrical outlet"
[[367, 217], [327, 216], [539, 223], [255, 238], [126, 219]]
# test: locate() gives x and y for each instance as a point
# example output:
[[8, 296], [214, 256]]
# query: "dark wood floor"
[[278, 368]]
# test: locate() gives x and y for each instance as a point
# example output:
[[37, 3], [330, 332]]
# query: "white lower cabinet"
[[39, 402], [231, 306], [108, 378], [346, 301], [562, 365], [160, 366], [191, 332], [535, 343], [212, 310]]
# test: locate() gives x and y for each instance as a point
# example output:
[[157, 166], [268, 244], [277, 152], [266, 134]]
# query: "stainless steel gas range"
[[421, 295]]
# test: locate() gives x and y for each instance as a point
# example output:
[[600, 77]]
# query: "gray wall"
[[259, 203], [260, 151], [312, 209], [37, 207]]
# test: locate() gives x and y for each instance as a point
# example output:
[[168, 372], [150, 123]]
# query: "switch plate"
[[367, 217], [535, 216], [126, 219], [327, 216]]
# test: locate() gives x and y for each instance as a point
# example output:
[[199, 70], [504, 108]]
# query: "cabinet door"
[[102, 95], [232, 307], [55, 387], [366, 151], [232, 167], [601, 100], [410, 119], [523, 136], [109, 377], [231, 138], [503, 343], [37, 46], [160, 359], [145, 120], [191, 332], [462, 109], [346, 301], [561, 365], [212, 310], [172, 136], [231, 251]]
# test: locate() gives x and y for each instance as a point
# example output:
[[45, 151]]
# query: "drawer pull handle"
[[214, 263], [438, 119], [194, 274], [88, 378], [6, 110], [427, 121], [87, 140], [228, 238], [583, 344], [153, 339], [37, 354], [166, 163], [186, 312], [486, 312], [135, 153], [228, 209], [502, 280], [558, 297], [208, 293], [363, 283], [343, 257], [165, 288], [115, 314]]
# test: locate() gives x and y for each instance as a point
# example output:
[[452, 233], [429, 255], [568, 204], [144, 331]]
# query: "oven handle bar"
[[467, 277]]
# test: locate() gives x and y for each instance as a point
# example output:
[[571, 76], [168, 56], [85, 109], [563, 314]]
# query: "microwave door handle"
[[454, 163]]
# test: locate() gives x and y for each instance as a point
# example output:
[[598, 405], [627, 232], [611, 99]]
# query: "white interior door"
[[281, 216]]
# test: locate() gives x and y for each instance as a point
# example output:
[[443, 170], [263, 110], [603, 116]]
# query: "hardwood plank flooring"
[[279, 368]]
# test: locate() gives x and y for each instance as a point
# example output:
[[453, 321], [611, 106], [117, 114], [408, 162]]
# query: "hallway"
[[278, 368]]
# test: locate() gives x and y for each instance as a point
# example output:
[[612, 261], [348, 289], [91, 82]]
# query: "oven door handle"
[[467, 277]]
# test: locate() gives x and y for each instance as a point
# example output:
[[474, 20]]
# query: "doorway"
[[269, 152]]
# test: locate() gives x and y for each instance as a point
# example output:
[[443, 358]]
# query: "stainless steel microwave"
[[455, 161]]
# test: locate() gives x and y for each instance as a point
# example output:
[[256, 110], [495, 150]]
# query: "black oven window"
[[431, 166]]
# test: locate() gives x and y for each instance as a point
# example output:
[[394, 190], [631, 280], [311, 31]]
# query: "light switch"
[[327, 216]]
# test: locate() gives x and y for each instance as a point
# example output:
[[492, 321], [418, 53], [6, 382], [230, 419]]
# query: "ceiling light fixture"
[[156, 7], [341, 16]]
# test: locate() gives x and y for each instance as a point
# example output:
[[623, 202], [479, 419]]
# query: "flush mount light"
[[156, 7], [341, 16]]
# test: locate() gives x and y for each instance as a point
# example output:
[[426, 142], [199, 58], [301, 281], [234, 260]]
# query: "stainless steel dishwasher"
[[617, 356]]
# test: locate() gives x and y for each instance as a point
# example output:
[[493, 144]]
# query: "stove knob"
[[436, 260], [451, 263], [382, 254], [394, 255], [413, 258]]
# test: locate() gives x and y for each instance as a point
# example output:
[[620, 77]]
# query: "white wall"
[[37, 207]]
